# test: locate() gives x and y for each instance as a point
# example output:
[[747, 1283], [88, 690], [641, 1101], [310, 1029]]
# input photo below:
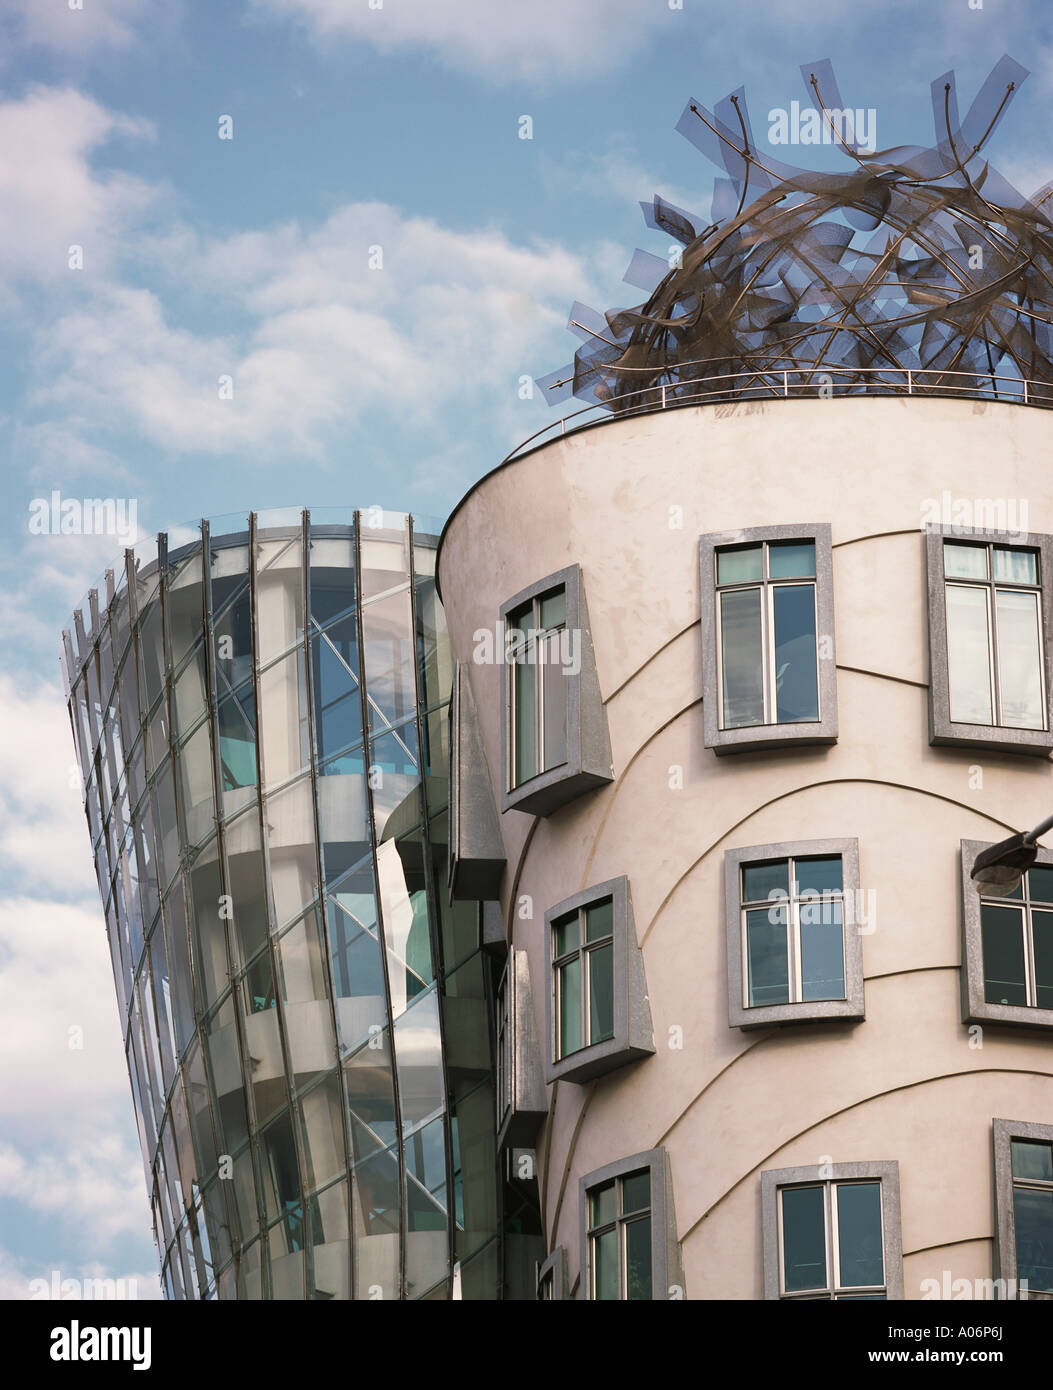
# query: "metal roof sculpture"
[[912, 261]]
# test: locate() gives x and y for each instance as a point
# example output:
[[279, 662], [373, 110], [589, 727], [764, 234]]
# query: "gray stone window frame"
[[821, 731], [942, 731], [1003, 1133], [633, 1036], [851, 1008], [811, 1175], [588, 762], [554, 1269], [519, 1088], [667, 1278], [975, 1008]]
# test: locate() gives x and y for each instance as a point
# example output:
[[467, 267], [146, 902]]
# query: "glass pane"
[[567, 935], [602, 1205], [803, 1238], [1032, 1159], [525, 750], [1042, 941], [818, 875], [968, 656], [964, 561], [1019, 659], [636, 1191], [822, 952], [555, 677], [768, 981], [796, 674], [599, 920], [1040, 883], [741, 664], [760, 881], [739, 566], [570, 1007], [638, 1258], [859, 1234], [1015, 566], [1034, 1238], [554, 609], [605, 1264], [1003, 944], [791, 559], [601, 993]]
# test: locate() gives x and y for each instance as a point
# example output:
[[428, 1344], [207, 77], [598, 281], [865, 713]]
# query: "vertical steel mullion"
[[539, 689], [434, 912], [992, 630], [771, 703], [832, 1238], [381, 921], [793, 937], [744, 947], [327, 971], [1030, 979]]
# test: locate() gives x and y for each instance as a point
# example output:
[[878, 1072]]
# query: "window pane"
[[964, 561], [818, 875], [601, 993], [599, 920], [605, 1264], [638, 1258], [803, 1238], [566, 934], [1034, 1238], [759, 881], [525, 752], [740, 658], [1032, 1159], [1003, 943], [636, 1191], [554, 682], [1042, 940], [1015, 566], [739, 566], [968, 656], [602, 1205], [554, 609], [570, 1007], [1019, 659], [796, 676], [822, 953], [791, 559], [766, 955], [1040, 883], [859, 1234]]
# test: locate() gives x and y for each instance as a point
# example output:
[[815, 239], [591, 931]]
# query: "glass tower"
[[260, 710]]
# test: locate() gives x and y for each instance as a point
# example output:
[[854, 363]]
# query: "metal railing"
[[817, 381]]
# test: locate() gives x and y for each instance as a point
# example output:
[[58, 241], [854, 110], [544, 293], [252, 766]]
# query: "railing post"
[[1025, 390], [563, 425], [786, 383], [663, 395], [910, 382]]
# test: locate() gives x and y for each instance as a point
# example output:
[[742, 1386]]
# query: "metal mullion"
[[323, 908], [583, 952], [832, 1242], [771, 702], [400, 1157], [539, 689], [745, 957], [1030, 981]]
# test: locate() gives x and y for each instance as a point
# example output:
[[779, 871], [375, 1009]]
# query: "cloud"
[[55, 25], [94, 1185], [17, 1274]]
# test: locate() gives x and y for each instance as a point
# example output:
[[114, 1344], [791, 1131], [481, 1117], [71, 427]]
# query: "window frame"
[[773, 735], [588, 752], [553, 1269], [775, 1180], [943, 731], [520, 1101], [975, 1008], [665, 1253], [852, 1007], [633, 1037], [1003, 1133]]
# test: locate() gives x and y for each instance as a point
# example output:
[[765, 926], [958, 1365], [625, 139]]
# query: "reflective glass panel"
[[741, 664], [569, 989], [803, 1238], [638, 1258], [818, 875], [1015, 566], [601, 993], [760, 881], [791, 559], [796, 674], [768, 975], [1032, 1159], [1003, 948], [968, 655], [822, 952], [964, 561], [859, 1234], [1019, 659], [1042, 940], [1033, 1219], [740, 566]]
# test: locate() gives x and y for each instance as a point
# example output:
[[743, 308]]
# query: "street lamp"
[[998, 870]]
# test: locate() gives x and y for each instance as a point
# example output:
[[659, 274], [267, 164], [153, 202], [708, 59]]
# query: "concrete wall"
[[628, 502]]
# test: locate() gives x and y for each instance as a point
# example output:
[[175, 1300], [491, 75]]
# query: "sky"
[[378, 260]]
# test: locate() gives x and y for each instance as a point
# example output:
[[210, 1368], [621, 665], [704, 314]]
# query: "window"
[[1024, 1200], [833, 1232], [520, 1090], [629, 1247], [555, 741], [552, 1277], [794, 918], [988, 619], [767, 631], [598, 1013], [1007, 946], [476, 854]]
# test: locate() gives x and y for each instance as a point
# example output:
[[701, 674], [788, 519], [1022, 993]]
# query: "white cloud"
[[56, 25], [94, 1184]]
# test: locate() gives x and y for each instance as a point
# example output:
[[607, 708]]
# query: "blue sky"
[[353, 127]]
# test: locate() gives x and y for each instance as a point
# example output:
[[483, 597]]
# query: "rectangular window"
[[1023, 1160], [583, 964], [831, 1241], [767, 624], [537, 689], [619, 1237], [792, 922], [1007, 948], [993, 604]]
